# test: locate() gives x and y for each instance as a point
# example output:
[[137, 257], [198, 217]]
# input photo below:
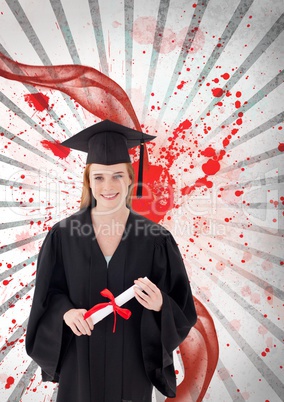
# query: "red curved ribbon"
[[123, 312], [93, 90]]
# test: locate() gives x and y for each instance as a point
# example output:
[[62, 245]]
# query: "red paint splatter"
[[226, 76], [57, 149], [201, 182], [38, 101], [181, 85], [209, 152], [217, 92], [6, 282], [158, 192], [281, 147], [238, 193], [158, 184], [10, 381], [187, 190], [264, 353], [172, 151], [226, 142], [185, 125], [211, 167]]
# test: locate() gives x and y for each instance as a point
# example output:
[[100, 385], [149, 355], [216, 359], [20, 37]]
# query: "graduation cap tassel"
[[140, 171]]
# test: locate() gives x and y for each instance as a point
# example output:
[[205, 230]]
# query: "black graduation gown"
[[107, 366]]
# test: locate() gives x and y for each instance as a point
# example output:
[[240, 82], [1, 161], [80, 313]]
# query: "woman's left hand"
[[150, 296]]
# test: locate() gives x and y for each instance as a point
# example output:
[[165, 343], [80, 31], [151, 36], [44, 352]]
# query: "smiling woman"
[[106, 246], [88, 198]]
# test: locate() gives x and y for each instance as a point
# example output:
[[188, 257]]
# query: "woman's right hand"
[[74, 318]]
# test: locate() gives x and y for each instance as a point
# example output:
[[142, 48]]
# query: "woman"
[[106, 245]]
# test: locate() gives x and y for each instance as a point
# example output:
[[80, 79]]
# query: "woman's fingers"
[[82, 326], [75, 330], [74, 318], [90, 323], [148, 294]]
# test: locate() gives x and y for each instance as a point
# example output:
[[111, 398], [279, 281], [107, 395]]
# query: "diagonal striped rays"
[[128, 12], [226, 250], [251, 228], [19, 112], [260, 365], [18, 267], [229, 382], [274, 121], [65, 30], [262, 93], [8, 225], [161, 22], [23, 382], [33, 90], [13, 339], [28, 146], [10, 161], [261, 47], [98, 31], [16, 298], [195, 22], [21, 243], [229, 31], [28, 29]]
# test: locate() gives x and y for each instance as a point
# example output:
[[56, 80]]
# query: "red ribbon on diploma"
[[123, 312]]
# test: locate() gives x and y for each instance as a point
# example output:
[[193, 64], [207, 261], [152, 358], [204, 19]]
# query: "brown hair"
[[86, 197]]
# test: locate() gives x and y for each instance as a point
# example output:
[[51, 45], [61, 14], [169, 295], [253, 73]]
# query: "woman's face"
[[109, 185]]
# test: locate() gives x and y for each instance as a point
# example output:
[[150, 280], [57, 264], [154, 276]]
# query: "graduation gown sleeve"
[[47, 335], [162, 332]]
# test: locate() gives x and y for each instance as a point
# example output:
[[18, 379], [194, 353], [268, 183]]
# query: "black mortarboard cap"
[[107, 143]]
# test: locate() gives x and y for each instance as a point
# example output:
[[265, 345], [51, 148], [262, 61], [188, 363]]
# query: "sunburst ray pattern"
[[205, 77]]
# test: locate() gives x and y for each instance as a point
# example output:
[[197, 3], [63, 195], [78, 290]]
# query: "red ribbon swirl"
[[123, 312]]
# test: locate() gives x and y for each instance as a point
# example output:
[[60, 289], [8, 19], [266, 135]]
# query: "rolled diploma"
[[123, 298]]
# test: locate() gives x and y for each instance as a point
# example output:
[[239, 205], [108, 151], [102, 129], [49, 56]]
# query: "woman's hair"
[[87, 196]]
